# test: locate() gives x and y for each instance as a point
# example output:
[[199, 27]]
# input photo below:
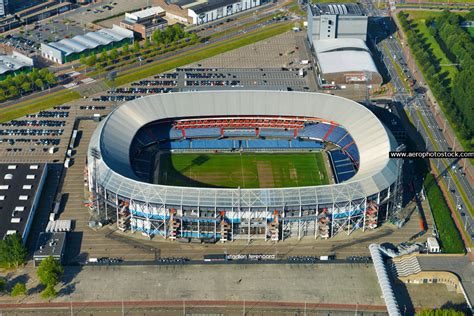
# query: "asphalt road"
[[419, 103]]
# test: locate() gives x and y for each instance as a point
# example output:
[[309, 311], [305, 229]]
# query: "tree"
[[194, 37], [91, 60], [19, 289], [136, 47], [48, 293], [49, 271], [3, 285], [104, 56], [146, 44], [26, 86], [50, 79], [125, 49], [12, 251], [83, 59], [13, 91], [114, 54], [39, 83]]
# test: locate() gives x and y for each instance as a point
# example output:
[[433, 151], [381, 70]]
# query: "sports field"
[[246, 170]]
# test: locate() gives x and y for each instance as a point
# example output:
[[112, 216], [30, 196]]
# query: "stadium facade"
[[118, 191]]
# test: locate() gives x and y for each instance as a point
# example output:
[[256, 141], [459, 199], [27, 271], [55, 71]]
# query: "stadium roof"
[[344, 55], [115, 134], [80, 43], [14, 62]]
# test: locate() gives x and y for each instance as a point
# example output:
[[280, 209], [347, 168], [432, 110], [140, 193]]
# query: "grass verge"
[[38, 104], [449, 236], [398, 69], [211, 50]]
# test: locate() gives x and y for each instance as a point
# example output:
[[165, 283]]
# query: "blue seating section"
[[296, 143], [345, 140], [342, 166], [336, 134], [211, 144], [276, 132], [266, 143], [315, 130], [202, 132], [239, 132], [352, 150]]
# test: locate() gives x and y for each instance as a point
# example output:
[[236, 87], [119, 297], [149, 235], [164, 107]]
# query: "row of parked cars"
[[32, 132], [141, 90], [207, 75], [50, 114], [211, 83], [115, 98], [92, 107], [49, 123], [148, 83]]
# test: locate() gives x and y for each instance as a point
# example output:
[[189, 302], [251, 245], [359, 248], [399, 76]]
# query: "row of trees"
[[13, 254], [459, 46], [454, 97], [169, 36], [17, 85]]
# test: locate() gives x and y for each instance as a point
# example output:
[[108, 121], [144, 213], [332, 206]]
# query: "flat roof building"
[[20, 190], [13, 63], [70, 49], [345, 61], [50, 244], [144, 23], [329, 21], [201, 12]]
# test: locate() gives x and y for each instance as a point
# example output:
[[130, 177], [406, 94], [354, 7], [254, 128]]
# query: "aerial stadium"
[[229, 165]]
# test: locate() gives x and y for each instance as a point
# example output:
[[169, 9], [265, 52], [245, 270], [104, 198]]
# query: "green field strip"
[[38, 104], [244, 170]]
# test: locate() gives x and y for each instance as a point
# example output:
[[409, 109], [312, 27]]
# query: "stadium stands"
[[252, 134], [342, 166]]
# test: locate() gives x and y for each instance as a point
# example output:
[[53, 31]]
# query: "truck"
[[52, 150], [304, 62], [67, 163], [69, 153], [73, 139], [301, 72]]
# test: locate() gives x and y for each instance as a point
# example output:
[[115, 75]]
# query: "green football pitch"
[[246, 170]]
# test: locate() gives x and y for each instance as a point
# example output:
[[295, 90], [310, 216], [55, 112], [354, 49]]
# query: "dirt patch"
[[293, 174], [265, 175]]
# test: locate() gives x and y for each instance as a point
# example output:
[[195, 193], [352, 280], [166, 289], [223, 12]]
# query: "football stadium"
[[228, 165]]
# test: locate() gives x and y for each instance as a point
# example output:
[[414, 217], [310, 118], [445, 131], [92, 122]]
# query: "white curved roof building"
[[242, 213]]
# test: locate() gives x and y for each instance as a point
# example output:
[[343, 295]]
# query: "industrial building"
[[144, 23], [344, 61], [200, 12], [14, 63], [50, 244], [20, 191], [366, 194], [329, 21], [70, 49]]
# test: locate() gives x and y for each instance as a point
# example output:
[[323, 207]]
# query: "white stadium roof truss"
[[113, 137]]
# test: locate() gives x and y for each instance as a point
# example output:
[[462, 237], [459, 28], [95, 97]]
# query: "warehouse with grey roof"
[[70, 49]]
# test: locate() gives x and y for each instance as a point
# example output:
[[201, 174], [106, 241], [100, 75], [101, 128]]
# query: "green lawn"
[[437, 51], [247, 170], [470, 30], [37, 104]]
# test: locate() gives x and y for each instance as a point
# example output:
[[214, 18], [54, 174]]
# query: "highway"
[[417, 106]]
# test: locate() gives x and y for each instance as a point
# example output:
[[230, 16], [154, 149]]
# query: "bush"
[[48, 293], [449, 236], [3, 285], [18, 289]]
